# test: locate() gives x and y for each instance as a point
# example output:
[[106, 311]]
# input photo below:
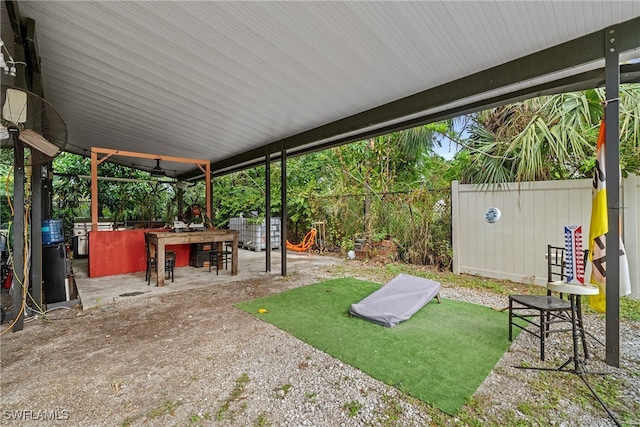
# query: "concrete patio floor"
[[100, 291]]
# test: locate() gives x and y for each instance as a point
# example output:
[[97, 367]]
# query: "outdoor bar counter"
[[123, 251]]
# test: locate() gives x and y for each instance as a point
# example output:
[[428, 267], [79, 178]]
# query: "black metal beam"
[[19, 279], [28, 78], [32, 58], [629, 73], [283, 211], [573, 53], [611, 43], [564, 56], [267, 212], [14, 18], [37, 204], [588, 80], [31, 46]]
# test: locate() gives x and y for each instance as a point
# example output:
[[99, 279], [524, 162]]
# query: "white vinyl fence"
[[532, 216]]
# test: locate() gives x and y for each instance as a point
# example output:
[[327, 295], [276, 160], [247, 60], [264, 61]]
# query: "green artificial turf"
[[440, 355]]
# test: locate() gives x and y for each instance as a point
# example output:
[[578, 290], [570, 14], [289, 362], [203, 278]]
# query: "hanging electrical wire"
[[8, 65]]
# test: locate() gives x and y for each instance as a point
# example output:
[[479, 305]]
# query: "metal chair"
[[215, 257], [169, 261], [575, 292], [548, 313]]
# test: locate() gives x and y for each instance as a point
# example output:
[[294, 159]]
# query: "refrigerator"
[[56, 269]]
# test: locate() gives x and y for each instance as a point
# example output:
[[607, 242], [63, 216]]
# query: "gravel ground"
[[191, 358]]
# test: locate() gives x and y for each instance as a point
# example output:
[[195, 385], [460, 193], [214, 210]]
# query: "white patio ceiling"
[[214, 80]]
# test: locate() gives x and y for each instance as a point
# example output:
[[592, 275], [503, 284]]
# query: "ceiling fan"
[[157, 170], [29, 118]]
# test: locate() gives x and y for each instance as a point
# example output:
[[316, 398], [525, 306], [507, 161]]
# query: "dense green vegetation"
[[392, 185], [548, 138]]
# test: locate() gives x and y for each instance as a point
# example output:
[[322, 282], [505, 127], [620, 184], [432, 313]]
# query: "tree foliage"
[[244, 193], [6, 186], [391, 184], [146, 202], [361, 188], [547, 138]]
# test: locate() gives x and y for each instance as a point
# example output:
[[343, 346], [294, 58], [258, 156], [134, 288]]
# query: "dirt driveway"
[[189, 358], [171, 359]]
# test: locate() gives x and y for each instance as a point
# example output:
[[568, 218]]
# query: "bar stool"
[[169, 261], [216, 258]]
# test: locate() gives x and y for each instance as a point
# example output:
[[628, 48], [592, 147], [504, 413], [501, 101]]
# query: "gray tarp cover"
[[396, 301]]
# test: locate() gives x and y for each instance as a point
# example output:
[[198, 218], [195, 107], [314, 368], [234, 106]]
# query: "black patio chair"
[[547, 313], [216, 258], [169, 261]]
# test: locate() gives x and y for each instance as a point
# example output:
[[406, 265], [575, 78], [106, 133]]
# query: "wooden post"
[[94, 190]]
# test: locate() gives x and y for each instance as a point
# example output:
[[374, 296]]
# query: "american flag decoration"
[[574, 260]]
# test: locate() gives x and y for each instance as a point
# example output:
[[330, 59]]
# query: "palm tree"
[[551, 137]]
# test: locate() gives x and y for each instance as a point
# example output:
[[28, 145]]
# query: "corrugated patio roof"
[[233, 81]]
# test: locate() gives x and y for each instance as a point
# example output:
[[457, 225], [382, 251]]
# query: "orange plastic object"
[[306, 244]]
